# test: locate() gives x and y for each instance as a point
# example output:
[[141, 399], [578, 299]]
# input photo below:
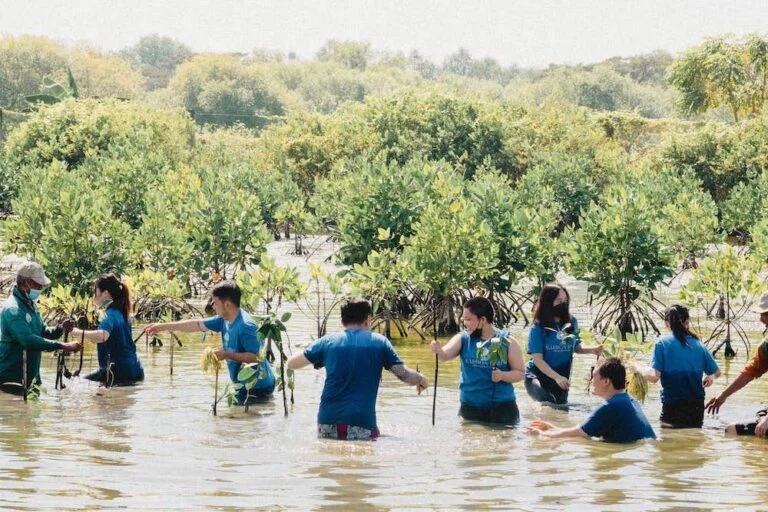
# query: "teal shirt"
[[241, 336], [22, 327]]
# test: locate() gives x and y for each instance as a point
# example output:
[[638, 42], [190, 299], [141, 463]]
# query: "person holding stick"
[[23, 333], [119, 364], [486, 390], [239, 338], [353, 360]]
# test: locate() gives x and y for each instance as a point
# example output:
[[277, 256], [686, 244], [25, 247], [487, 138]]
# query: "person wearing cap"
[[22, 328], [755, 368]]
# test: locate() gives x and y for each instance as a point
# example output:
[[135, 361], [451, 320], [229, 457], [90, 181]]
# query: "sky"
[[527, 33]]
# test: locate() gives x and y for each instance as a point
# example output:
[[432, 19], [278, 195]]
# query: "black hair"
[[121, 296], [355, 311], [543, 310], [229, 291], [612, 368], [677, 315], [481, 308]]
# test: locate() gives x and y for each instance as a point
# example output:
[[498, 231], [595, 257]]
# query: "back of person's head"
[[613, 369], [544, 311], [227, 291], [121, 296], [481, 308], [355, 311], [677, 315]]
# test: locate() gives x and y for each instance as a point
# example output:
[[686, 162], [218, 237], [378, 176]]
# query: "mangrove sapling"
[[734, 280], [619, 346], [496, 352], [209, 363], [272, 329], [319, 305]]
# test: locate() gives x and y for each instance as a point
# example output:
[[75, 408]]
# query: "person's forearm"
[[512, 376], [547, 370], [585, 350], [193, 325], [407, 375], [738, 383], [650, 374], [565, 432], [442, 356], [242, 357], [97, 336]]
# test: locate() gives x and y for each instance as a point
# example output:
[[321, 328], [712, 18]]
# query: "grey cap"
[[33, 271]]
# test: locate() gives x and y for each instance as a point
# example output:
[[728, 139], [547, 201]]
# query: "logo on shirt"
[[28, 318]]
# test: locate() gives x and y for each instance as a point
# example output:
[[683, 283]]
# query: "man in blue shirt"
[[619, 420], [353, 360], [240, 341]]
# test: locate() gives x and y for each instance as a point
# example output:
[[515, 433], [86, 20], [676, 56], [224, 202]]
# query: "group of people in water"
[[491, 361]]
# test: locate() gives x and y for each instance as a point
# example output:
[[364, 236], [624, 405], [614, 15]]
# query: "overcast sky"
[[523, 32]]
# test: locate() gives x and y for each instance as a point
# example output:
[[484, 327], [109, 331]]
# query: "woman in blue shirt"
[[552, 341], [485, 385], [119, 364], [680, 361]]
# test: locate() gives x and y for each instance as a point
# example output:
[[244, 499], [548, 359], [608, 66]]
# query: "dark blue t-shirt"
[[242, 336], [353, 360], [119, 348], [476, 386], [555, 345], [682, 368], [619, 420]]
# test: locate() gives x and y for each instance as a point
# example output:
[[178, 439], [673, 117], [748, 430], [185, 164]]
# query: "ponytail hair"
[[676, 315], [121, 296]]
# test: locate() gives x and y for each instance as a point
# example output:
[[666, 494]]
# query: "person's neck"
[[488, 331], [231, 317], [610, 393], [355, 326]]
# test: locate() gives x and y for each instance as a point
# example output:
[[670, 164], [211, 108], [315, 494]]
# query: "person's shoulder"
[[10, 307], [247, 320], [665, 339]]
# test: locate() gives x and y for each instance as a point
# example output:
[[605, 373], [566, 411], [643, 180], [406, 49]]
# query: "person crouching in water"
[[620, 419], [353, 360], [486, 392], [552, 341], [119, 364], [680, 361]]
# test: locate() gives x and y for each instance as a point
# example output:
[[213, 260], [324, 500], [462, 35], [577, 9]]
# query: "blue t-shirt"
[[241, 336], [555, 345], [682, 368], [619, 420], [353, 360], [476, 387], [119, 348]]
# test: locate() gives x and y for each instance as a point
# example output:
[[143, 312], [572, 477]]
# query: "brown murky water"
[[157, 446]]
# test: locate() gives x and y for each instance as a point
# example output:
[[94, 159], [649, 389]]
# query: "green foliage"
[[24, 62], [266, 287], [494, 350], [222, 90], [55, 92], [226, 230], [156, 57], [387, 197], [352, 54], [745, 206], [68, 227], [158, 294], [618, 251], [325, 292], [726, 72], [72, 131]]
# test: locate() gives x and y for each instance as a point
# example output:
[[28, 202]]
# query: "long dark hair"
[[677, 315], [121, 296], [543, 310]]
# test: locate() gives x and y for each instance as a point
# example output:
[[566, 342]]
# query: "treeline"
[[436, 190]]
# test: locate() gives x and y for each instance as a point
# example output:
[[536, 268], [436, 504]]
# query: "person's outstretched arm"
[[409, 376], [451, 350], [544, 429], [192, 325]]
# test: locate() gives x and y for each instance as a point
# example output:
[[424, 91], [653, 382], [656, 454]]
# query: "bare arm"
[[595, 351], [651, 374], [451, 349], [516, 371], [409, 376], [193, 325], [97, 336], [542, 365], [298, 361], [713, 406], [544, 429], [238, 357]]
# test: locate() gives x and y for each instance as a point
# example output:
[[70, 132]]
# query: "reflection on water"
[[158, 445]]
